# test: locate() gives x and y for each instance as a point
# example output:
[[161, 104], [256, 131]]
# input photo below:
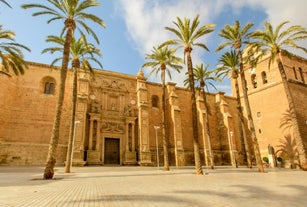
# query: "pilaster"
[[177, 127], [228, 123], [143, 120], [81, 111]]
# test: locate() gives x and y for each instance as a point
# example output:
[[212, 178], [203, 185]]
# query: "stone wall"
[[269, 103], [27, 116]]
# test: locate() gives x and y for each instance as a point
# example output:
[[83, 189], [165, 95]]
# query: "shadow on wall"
[[287, 149]]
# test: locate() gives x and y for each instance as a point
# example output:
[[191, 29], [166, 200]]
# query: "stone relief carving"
[[95, 107], [112, 127], [128, 111], [113, 103], [110, 84]]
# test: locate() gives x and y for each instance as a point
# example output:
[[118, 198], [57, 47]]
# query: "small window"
[[155, 101], [49, 88], [302, 75], [48, 85], [264, 77], [254, 80], [294, 71]]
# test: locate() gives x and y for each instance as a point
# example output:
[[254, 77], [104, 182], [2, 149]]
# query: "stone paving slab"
[[148, 186]]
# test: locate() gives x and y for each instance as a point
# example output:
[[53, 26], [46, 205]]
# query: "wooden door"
[[111, 151]]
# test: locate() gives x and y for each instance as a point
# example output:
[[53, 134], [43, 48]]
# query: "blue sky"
[[135, 26]]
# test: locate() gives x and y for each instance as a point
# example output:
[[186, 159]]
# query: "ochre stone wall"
[[27, 117], [122, 108], [269, 103]]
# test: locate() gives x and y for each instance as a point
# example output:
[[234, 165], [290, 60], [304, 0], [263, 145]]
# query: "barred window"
[[49, 88], [48, 85]]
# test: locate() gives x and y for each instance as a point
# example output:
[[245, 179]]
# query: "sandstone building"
[[117, 114], [269, 104]]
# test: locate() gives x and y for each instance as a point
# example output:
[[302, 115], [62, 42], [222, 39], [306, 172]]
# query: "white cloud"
[[145, 19], [284, 10]]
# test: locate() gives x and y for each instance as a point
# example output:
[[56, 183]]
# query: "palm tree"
[[275, 43], [237, 38], [202, 75], [187, 34], [7, 4], [82, 53], [228, 65], [11, 55], [73, 13], [159, 60]]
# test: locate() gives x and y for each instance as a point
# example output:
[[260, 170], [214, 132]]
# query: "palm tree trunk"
[[296, 131], [208, 129], [245, 149], [249, 115], [198, 166], [165, 140], [72, 125], [51, 160]]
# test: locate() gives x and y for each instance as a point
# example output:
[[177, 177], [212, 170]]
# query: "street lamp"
[[156, 128]]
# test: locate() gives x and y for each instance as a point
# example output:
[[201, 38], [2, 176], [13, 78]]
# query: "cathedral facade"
[[117, 120], [118, 117]]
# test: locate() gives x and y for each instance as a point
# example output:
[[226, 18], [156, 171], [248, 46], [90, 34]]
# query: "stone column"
[[93, 155], [81, 114], [90, 142], [130, 156], [142, 101], [127, 136], [133, 137], [177, 127], [98, 136]]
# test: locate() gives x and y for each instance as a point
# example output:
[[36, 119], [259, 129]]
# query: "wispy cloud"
[[145, 19]]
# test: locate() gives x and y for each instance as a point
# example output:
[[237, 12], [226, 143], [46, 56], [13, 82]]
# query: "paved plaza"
[[147, 186]]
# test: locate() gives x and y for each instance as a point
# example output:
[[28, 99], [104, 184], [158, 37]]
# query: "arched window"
[[254, 80], [294, 71], [155, 101], [48, 84], [302, 75], [49, 88], [264, 77]]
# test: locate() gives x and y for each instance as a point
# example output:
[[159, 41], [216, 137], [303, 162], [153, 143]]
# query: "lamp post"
[[156, 128]]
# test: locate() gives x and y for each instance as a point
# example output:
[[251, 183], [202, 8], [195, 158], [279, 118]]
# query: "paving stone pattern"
[[147, 186]]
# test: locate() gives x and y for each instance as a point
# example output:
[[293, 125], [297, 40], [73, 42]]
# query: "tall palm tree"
[[160, 60], [238, 38], [73, 13], [203, 75], [228, 65], [187, 34], [5, 2], [81, 54], [275, 42], [11, 55]]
